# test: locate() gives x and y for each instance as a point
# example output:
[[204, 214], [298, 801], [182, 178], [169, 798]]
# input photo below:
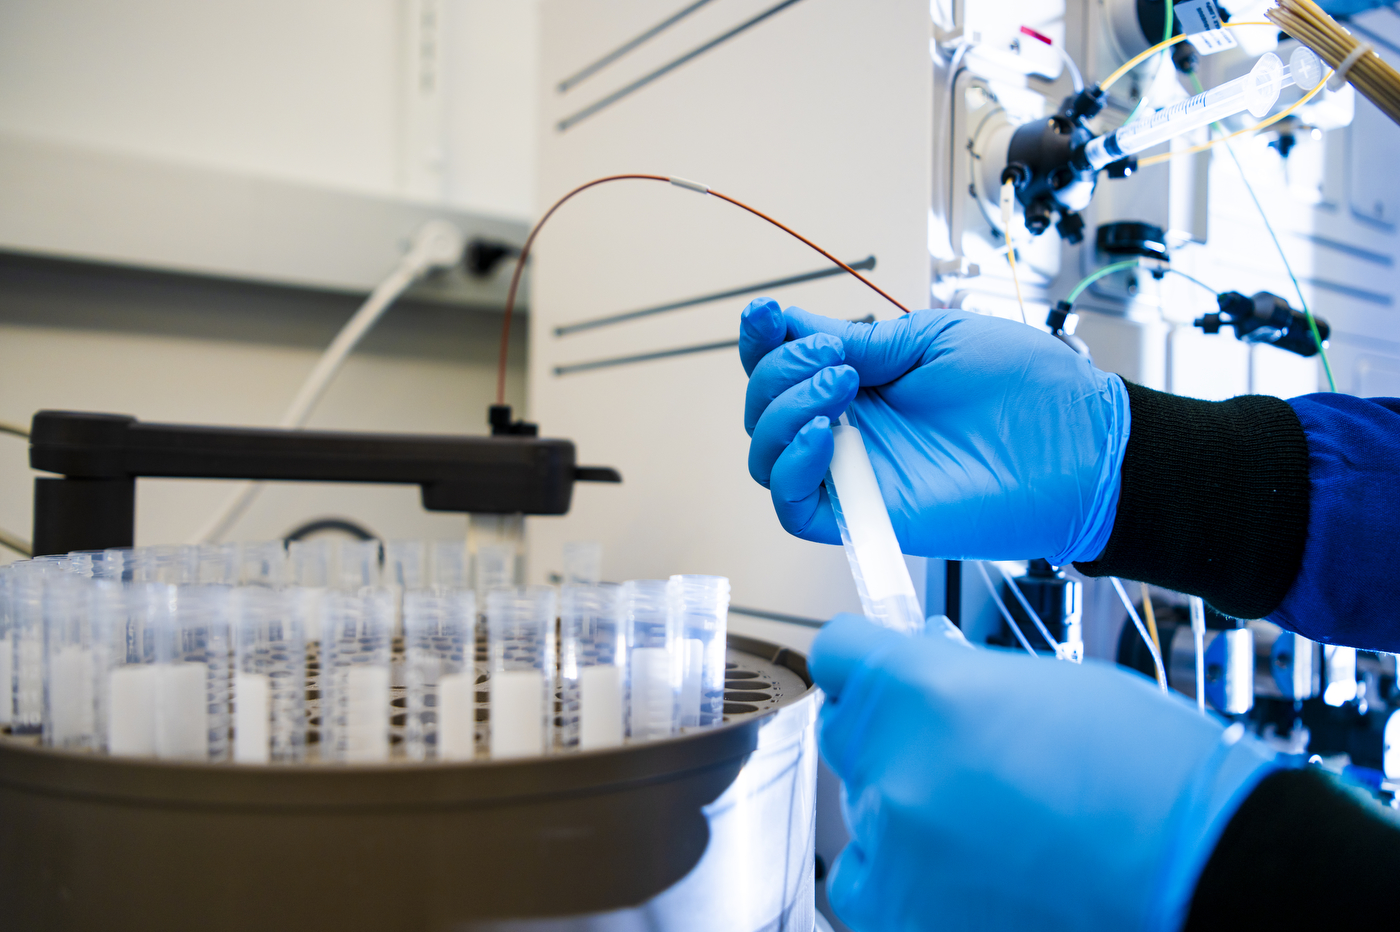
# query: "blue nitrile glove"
[[990, 790], [990, 439]]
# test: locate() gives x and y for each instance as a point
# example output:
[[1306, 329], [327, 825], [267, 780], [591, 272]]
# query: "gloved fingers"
[[883, 351], [783, 368], [846, 882], [828, 393], [843, 645], [800, 500], [761, 330]]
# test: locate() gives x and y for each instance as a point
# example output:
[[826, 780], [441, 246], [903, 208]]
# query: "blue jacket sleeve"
[[1347, 590]]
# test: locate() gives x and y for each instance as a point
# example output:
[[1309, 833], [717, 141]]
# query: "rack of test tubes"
[[363, 652]]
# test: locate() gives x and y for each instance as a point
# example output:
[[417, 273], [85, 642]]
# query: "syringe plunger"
[[1255, 92]]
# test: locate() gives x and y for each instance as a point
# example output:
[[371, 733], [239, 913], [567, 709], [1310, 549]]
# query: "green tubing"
[[1098, 274]]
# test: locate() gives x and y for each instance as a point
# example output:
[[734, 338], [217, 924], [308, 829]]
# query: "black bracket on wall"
[[92, 505]]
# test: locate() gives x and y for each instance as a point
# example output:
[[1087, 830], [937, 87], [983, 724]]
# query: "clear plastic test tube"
[[356, 629], [704, 607], [651, 619], [269, 690], [27, 637], [520, 650], [405, 564], [131, 616], [7, 651], [357, 565], [73, 664], [192, 650], [583, 563], [592, 667], [264, 563], [495, 569], [217, 565], [881, 576], [449, 564], [439, 626]]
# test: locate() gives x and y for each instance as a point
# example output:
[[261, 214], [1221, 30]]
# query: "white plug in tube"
[[882, 579]]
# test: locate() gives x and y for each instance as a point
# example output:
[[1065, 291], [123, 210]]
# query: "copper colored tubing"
[[529, 241]]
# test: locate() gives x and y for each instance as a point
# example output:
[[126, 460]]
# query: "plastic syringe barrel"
[[1255, 92], [882, 579]]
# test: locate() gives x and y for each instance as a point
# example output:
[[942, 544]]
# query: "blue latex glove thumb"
[[991, 790]]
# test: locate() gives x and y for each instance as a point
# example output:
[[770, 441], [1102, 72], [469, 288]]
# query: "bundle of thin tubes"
[[1309, 24]]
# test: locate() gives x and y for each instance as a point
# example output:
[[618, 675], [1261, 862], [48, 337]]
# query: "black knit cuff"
[[1214, 500], [1302, 852]]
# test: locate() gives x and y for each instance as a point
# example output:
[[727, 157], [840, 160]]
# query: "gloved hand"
[[990, 439], [975, 803]]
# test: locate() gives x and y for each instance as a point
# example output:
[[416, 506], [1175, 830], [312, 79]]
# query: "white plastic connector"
[[437, 244], [1339, 76], [690, 185]]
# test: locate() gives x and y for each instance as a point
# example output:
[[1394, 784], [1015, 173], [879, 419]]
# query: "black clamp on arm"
[[99, 457]]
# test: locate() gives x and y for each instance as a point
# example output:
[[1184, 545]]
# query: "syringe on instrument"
[[882, 579], [1255, 92]]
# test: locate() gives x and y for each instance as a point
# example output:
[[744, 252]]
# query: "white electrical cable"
[[16, 543], [1015, 628], [436, 245], [1142, 630]]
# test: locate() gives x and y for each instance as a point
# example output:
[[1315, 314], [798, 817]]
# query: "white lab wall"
[[818, 115], [310, 90]]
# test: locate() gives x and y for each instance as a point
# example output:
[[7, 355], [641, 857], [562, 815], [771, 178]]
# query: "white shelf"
[[66, 201]]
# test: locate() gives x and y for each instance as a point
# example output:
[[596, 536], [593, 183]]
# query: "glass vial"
[[269, 691], [355, 647], [441, 673], [520, 650], [592, 667], [651, 621], [704, 608]]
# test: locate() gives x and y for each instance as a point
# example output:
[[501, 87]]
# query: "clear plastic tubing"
[[882, 578], [704, 607], [439, 624], [592, 666], [520, 650], [1255, 92], [269, 695], [356, 633], [651, 617]]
